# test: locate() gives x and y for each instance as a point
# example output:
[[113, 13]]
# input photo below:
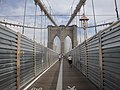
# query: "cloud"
[[16, 7]]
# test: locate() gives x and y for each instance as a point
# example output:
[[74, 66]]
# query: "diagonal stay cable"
[[78, 7], [39, 3]]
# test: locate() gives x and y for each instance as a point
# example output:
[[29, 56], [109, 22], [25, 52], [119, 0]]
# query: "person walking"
[[60, 57], [70, 60]]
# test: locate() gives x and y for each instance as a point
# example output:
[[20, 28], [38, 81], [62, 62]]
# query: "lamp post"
[[84, 25]]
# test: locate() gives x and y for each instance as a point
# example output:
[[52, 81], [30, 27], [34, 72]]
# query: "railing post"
[[47, 56], [80, 58], [42, 58], [34, 53], [86, 61], [18, 62], [100, 62]]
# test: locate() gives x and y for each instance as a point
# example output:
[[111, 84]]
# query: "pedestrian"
[[62, 55], [59, 57], [70, 60]]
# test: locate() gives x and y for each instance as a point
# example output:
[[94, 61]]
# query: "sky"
[[13, 11]]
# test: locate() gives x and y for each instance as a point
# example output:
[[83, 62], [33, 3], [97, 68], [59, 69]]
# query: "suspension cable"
[[39, 3], [35, 23], [18, 25], [101, 15], [85, 31], [84, 9], [24, 16], [78, 7], [41, 26], [79, 29], [72, 6], [76, 20], [94, 16], [44, 30], [117, 14]]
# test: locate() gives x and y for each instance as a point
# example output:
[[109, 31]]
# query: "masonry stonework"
[[62, 32]]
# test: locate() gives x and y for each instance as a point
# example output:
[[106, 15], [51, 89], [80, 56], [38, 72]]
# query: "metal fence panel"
[[8, 46], [111, 58], [103, 58], [26, 60], [34, 59], [93, 60], [38, 59], [83, 66]]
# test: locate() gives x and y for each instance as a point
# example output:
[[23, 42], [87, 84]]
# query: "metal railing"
[[21, 59], [99, 58]]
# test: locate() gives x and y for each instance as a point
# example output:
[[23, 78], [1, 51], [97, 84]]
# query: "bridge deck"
[[70, 77]]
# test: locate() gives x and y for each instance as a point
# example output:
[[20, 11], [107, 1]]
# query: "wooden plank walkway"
[[71, 78], [47, 81]]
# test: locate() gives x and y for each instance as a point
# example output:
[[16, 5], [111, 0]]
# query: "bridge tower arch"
[[62, 32]]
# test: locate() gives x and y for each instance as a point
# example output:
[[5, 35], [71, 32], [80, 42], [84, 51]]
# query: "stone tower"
[[62, 32]]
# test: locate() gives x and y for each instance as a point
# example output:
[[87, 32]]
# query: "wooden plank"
[[18, 62], [73, 79], [100, 62], [34, 46], [47, 57], [86, 61]]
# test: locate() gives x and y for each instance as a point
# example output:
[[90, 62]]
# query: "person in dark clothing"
[[60, 57], [70, 60]]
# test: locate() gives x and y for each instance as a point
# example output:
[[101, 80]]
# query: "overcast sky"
[[13, 10]]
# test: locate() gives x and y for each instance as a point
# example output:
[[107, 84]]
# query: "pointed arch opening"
[[57, 44], [67, 44]]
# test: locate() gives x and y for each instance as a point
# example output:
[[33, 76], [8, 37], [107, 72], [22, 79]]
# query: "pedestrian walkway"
[[48, 80], [72, 79]]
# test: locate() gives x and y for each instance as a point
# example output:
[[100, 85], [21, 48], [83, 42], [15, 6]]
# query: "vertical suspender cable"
[[72, 6], [50, 10], [94, 16], [42, 49], [85, 32], [34, 45], [85, 38], [71, 11], [79, 29], [24, 16], [117, 14], [77, 24], [45, 30], [76, 19], [35, 22], [41, 26]]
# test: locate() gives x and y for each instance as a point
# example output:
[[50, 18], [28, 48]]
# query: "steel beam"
[[18, 25], [39, 3], [78, 7]]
